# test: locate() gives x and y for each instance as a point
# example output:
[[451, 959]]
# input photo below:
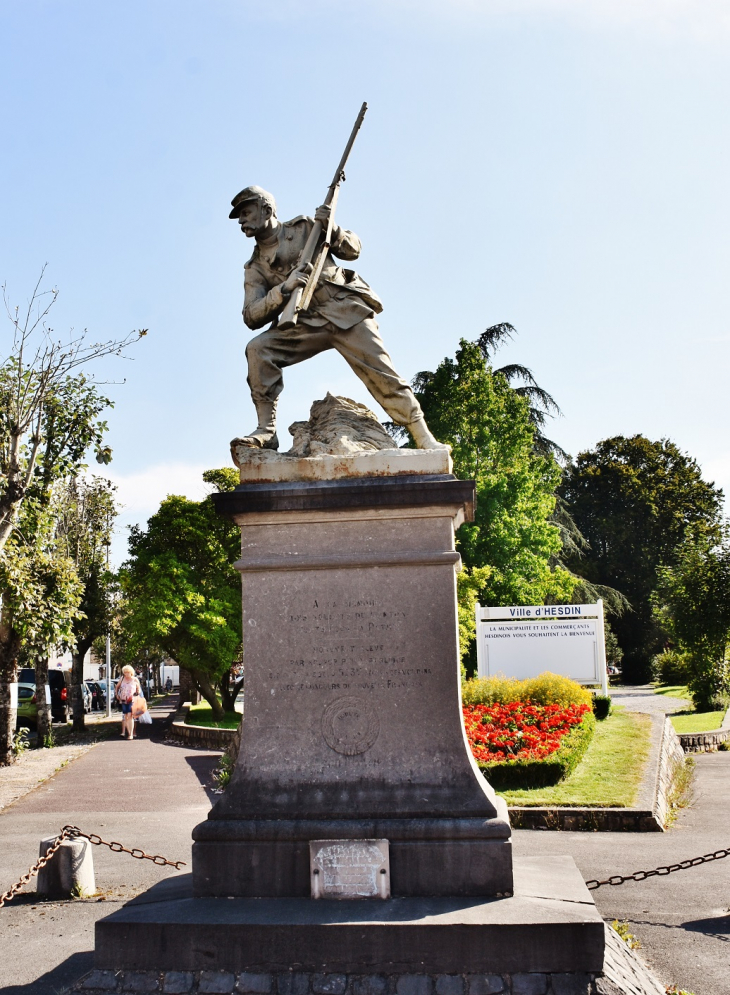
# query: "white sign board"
[[524, 641]]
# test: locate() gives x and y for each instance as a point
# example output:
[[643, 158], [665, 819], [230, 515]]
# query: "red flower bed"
[[517, 730]]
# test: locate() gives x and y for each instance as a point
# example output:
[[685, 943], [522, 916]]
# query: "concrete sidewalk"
[[145, 794]]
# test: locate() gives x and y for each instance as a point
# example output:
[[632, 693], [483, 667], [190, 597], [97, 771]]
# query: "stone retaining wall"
[[595, 820], [671, 759], [624, 973], [205, 737], [706, 742]]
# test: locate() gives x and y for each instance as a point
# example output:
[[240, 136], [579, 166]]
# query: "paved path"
[[32, 768], [143, 794], [643, 698]]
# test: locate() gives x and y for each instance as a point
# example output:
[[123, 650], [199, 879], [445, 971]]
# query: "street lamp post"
[[108, 637]]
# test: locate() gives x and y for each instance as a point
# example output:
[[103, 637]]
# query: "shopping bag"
[[145, 719], [139, 705]]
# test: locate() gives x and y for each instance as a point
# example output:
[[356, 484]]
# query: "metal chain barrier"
[[683, 865], [73, 832]]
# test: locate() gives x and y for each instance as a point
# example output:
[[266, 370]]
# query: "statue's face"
[[253, 217]]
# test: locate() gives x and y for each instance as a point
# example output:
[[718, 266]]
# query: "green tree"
[[86, 512], [49, 420], [181, 591], [492, 437], [635, 500], [41, 594], [692, 602], [541, 404]]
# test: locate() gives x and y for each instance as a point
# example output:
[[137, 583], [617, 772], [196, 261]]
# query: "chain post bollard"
[[73, 832]]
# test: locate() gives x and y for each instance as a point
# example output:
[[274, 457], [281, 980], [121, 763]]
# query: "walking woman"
[[127, 688]]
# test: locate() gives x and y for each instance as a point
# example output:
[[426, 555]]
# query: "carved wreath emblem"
[[350, 725]]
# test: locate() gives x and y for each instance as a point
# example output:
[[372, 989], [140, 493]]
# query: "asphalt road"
[[149, 794], [681, 919]]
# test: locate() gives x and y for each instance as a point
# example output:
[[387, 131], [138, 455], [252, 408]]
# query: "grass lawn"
[[690, 721], [202, 715], [674, 691], [697, 721], [609, 774]]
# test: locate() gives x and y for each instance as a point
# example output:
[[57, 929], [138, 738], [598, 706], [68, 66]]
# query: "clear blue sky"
[[559, 164]]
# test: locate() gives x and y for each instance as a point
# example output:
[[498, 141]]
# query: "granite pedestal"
[[352, 725]]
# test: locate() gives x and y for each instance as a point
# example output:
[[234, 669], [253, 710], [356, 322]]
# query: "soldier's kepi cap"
[[251, 193]]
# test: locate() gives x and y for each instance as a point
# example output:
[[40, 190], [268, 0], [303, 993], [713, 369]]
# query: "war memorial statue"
[[312, 307], [357, 849]]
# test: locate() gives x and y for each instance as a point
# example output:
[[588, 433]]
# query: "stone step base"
[[624, 973], [549, 925]]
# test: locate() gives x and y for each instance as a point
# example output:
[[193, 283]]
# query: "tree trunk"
[[77, 678], [43, 718], [208, 692], [188, 690], [9, 649], [229, 692]]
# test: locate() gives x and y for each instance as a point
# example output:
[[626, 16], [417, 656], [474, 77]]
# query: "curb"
[[206, 737], [706, 742]]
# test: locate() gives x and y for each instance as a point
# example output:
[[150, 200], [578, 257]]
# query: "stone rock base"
[[293, 983], [624, 973]]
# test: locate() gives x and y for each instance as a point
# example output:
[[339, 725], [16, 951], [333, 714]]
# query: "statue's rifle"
[[301, 297]]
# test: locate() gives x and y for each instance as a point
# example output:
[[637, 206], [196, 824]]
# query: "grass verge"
[[609, 774], [697, 721], [202, 715], [674, 691]]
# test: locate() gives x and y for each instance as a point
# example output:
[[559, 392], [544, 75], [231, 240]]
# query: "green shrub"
[[709, 685], [547, 689], [224, 770], [601, 706], [509, 775], [671, 667]]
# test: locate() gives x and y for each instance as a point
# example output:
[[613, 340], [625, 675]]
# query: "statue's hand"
[[297, 278], [322, 214]]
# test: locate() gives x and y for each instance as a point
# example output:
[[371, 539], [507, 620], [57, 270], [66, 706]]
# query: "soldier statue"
[[340, 315]]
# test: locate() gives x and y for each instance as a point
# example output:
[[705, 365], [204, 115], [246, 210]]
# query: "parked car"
[[98, 698], [114, 682], [27, 709], [60, 682]]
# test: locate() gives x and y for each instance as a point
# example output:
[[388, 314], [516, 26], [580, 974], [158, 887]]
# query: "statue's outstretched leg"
[[364, 351], [422, 435], [266, 355]]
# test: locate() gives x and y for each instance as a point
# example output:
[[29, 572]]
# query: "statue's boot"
[[422, 436], [264, 435]]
